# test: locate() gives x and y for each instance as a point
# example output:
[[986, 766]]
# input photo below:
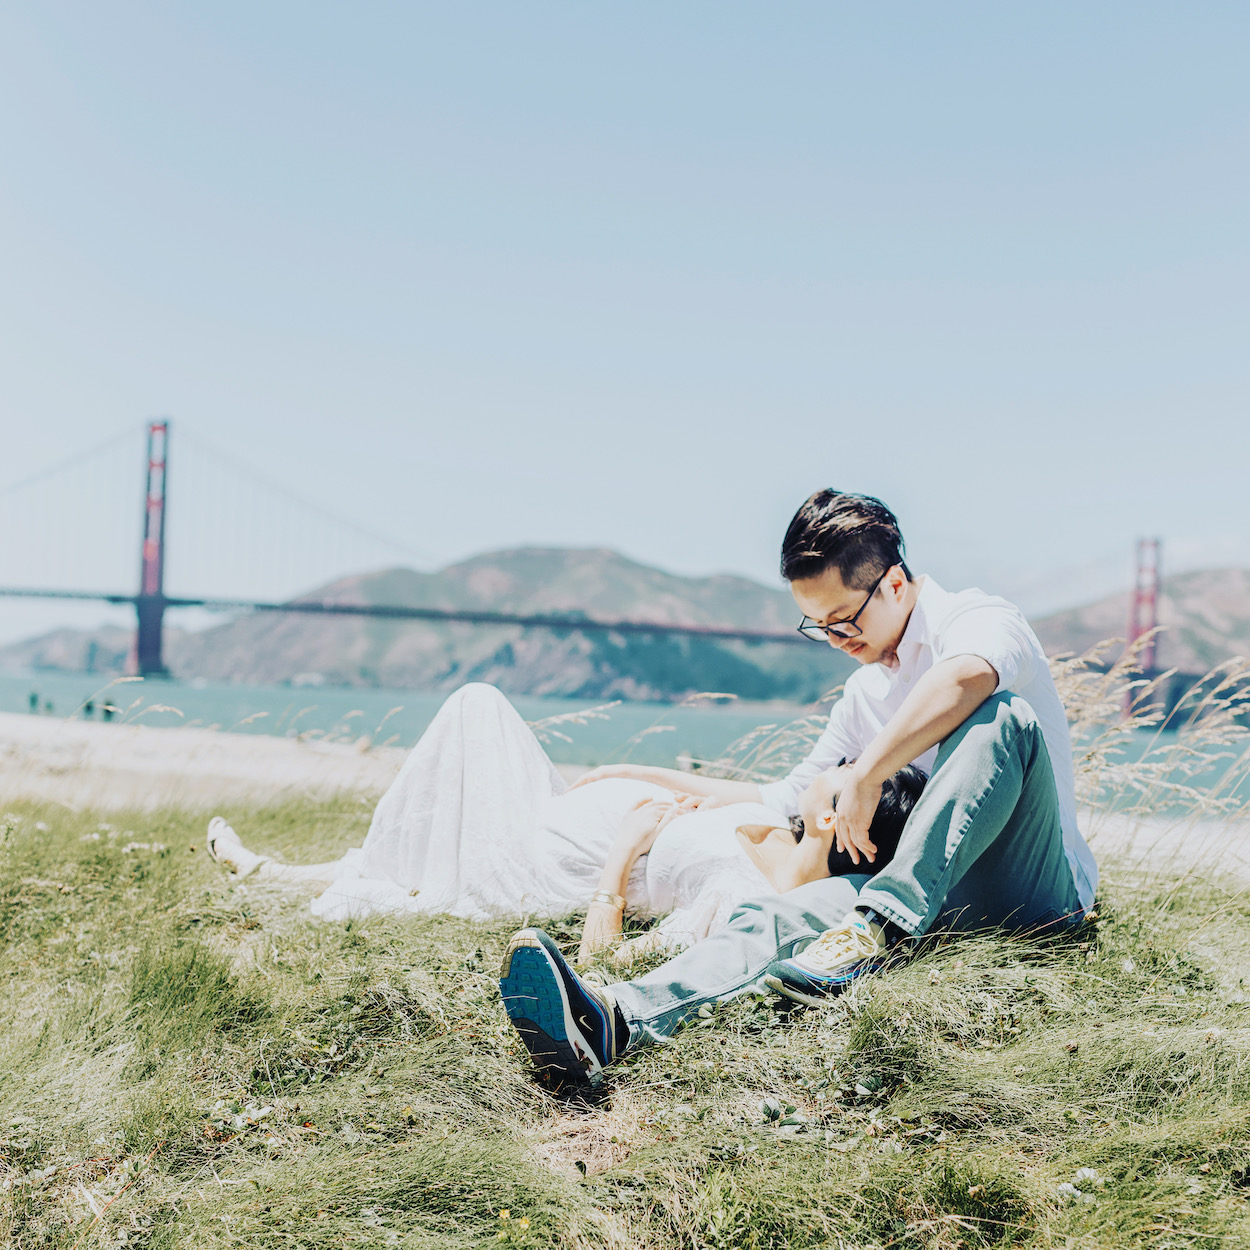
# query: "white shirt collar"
[[919, 630]]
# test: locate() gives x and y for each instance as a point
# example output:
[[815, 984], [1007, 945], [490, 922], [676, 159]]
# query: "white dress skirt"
[[480, 824]]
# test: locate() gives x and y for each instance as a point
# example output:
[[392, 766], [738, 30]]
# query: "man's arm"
[[943, 699]]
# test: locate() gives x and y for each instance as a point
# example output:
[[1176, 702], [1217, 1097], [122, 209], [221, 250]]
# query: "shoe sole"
[[778, 986], [533, 995]]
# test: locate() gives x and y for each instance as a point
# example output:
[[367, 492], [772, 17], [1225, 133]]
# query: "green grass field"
[[186, 1062]]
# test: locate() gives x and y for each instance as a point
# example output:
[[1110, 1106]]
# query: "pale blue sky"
[[644, 275]]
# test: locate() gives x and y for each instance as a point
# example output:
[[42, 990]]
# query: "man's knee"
[[1006, 715], [1006, 709], [1003, 723]]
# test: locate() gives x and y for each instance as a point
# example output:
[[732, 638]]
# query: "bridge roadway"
[[566, 621]]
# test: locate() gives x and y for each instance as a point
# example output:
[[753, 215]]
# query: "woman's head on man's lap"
[[899, 795]]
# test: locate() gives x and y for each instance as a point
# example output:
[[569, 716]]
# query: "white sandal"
[[221, 840]]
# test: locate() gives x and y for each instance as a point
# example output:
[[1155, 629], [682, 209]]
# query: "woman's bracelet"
[[606, 896]]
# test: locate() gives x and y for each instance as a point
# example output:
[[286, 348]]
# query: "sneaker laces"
[[854, 939]]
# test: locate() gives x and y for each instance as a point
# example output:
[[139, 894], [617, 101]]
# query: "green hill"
[[1205, 615], [357, 651]]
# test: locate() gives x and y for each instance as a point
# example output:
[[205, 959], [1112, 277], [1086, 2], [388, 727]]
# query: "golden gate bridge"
[[150, 602]]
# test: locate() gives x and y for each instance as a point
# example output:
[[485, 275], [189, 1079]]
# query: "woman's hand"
[[634, 948], [642, 825], [602, 928]]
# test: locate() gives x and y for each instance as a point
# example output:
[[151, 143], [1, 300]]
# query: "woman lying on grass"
[[479, 823]]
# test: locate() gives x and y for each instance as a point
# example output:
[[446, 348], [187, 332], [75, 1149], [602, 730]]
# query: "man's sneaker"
[[859, 945], [571, 1029]]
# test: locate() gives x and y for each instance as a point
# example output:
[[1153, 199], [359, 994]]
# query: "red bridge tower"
[[150, 602], [1144, 604]]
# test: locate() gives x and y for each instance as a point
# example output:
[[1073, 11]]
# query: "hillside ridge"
[[271, 648], [1206, 615]]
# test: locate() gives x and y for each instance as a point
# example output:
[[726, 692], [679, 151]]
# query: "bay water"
[[586, 731], [644, 733]]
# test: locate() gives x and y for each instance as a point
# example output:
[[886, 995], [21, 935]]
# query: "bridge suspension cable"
[[315, 507], [205, 549], [129, 434]]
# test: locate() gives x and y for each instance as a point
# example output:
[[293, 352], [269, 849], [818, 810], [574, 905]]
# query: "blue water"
[[645, 733]]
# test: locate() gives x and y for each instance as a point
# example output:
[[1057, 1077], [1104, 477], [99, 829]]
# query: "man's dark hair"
[[856, 534], [898, 796]]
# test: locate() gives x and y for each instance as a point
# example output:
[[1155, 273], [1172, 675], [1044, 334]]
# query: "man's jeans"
[[983, 846]]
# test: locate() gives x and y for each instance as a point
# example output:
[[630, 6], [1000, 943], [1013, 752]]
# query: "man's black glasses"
[[840, 629]]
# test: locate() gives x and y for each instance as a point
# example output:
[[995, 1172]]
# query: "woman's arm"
[[681, 783], [637, 834]]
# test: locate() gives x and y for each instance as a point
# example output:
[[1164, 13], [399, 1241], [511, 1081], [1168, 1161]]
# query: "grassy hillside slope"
[[1206, 616]]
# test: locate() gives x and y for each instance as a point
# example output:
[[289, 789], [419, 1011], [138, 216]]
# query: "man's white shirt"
[[941, 626]]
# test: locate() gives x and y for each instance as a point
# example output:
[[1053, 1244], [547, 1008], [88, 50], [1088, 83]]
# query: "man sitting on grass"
[[957, 684]]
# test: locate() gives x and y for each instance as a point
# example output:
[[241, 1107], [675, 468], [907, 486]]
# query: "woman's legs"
[[226, 847], [460, 821], [478, 768]]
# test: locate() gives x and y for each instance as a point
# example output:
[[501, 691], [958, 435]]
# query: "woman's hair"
[[856, 534], [898, 796]]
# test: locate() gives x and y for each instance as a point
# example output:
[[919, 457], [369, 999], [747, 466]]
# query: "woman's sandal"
[[221, 840]]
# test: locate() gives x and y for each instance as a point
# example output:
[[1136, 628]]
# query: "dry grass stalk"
[[548, 728], [1136, 756]]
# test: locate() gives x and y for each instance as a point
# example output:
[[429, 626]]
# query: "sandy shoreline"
[[85, 764], [110, 767], [1217, 850]]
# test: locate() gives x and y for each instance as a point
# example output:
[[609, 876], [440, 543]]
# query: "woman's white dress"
[[479, 823]]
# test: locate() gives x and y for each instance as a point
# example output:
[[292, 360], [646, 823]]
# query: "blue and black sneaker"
[[572, 1030]]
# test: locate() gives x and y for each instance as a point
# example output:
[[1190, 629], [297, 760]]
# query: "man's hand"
[[857, 805]]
